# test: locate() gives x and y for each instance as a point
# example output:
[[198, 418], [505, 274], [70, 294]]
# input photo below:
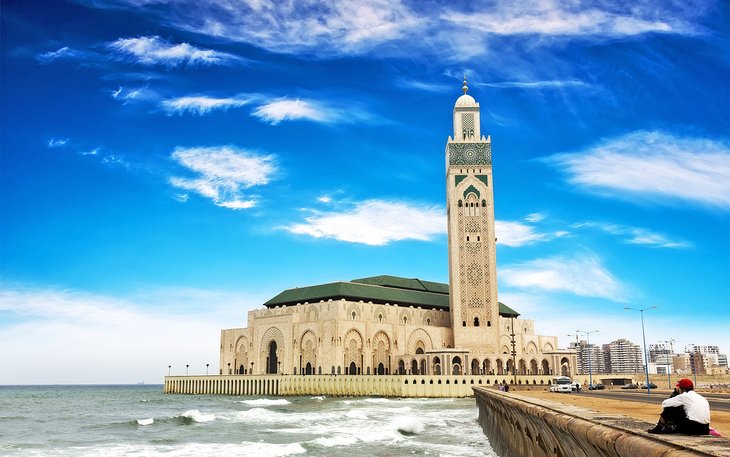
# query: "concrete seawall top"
[[524, 426]]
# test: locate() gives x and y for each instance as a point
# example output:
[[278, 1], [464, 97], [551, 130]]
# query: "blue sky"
[[168, 166]]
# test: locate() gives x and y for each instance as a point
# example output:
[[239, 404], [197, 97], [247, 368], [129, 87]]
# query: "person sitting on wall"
[[685, 411]]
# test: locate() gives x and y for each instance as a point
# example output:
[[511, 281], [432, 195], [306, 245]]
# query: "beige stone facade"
[[395, 326]]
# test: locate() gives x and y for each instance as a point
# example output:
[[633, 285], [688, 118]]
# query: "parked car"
[[651, 386], [630, 386], [596, 386]]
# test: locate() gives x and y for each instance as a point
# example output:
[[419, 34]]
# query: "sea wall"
[[520, 426], [340, 385]]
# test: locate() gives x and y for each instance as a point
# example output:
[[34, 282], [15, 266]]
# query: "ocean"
[[142, 421]]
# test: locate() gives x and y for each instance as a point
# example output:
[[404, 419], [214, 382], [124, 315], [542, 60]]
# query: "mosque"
[[387, 325]]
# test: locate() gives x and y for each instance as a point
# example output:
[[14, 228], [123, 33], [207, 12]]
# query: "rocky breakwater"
[[520, 426]]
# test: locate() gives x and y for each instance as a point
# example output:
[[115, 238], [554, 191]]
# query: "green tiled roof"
[[377, 289]]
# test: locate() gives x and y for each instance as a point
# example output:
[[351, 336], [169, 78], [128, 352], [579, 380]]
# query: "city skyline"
[[168, 167]]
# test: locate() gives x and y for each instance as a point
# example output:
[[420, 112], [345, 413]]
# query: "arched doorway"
[[500, 367], [272, 360], [545, 367], [523, 367], [240, 369], [308, 369], [510, 367], [456, 365], [564, 367], [414, 367], [401, 367], [381, 368], [486, 366], [437, 366], [533, 366], [353, 368], [474, 366], [422, 367]]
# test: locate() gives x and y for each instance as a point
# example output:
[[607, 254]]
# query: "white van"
[[562, 384]]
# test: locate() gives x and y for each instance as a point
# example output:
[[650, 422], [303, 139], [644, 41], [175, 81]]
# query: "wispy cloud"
[[581, 275], [59, 54], [152, 50], [57, 142], [224, 173], [636, 235], [534, 217], [202, 104], [550, 84], [285, 109], [132, 95], [363, 223], [275, 111], [402, 28], [653, 165], [514, 234]]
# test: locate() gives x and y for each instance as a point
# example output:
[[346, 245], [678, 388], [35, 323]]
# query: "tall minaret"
[[472, 257]]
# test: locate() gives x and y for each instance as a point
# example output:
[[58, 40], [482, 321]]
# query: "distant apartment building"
[[622, 356], [590, 358]]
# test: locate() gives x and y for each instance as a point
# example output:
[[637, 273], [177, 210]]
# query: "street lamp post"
[[206, 368], [168, 369], [229, 367], [670, 360], [186, 369], [588, 347], [514, 352], [643, 334]]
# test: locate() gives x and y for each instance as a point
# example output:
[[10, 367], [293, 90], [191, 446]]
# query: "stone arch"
[[381, 351], [522, 367], [312, 314], [241, 355], [419, 338], [531, 348], [275, 335], [307, 352], [546, 366], [404, 318], [428, 318], [353, 345], [474, 366], [533, 367], [486, 366], [547, 347], [354, 308], [565, 369]]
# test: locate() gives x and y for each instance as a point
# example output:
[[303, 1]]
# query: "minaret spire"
[[465, 88]]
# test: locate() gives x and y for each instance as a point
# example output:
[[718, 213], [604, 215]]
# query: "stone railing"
[[341, 385], [519, 426]]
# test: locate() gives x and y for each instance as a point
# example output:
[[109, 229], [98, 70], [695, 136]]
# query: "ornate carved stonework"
[[470, 154]]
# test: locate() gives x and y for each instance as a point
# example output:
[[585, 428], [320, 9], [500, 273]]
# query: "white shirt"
[[695, 405]]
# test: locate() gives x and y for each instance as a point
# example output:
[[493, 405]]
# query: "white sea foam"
[[149, 421], [266, 402], [319, 398], [356, 414], [336, 441], [197, 416], [408, 425], [182, 450]]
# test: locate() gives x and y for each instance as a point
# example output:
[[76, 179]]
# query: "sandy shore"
[[720, 420]]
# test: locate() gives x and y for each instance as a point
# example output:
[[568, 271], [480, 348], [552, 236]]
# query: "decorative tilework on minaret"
[[470, 205]]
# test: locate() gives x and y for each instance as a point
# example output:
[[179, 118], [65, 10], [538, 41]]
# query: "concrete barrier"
[[520, 426]]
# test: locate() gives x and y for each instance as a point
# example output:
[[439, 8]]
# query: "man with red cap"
[[685, 411]]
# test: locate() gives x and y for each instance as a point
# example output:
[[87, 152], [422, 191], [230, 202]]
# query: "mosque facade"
[[387, 325]]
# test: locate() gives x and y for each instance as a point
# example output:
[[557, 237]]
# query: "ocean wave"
[[149, 421], [336, 441], [319, 398], [356, 414], [195, 415], [408, 426], [265, 402]]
